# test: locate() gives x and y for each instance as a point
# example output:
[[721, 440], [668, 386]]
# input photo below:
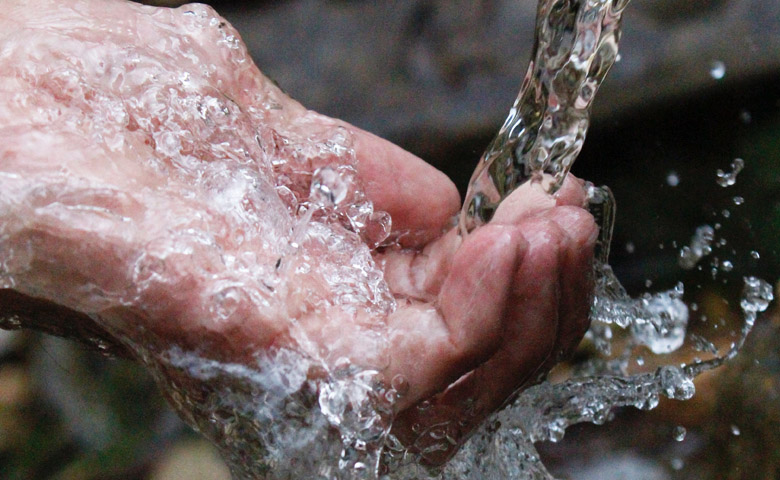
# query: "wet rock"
[[404, 69]]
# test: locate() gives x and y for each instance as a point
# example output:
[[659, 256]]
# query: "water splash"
[[700, 247]]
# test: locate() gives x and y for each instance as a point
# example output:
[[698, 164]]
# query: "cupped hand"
[[152, 180]]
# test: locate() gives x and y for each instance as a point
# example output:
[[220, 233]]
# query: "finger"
[[420, 274], [572, 192], [531, 322], [576, 278], [433, 347], [420, 199], [528, 339], [531, 198], [527, 200]]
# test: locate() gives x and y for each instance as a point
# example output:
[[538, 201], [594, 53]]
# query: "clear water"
[[302, 411], [576, 43]]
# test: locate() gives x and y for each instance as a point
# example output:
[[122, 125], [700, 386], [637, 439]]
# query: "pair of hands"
[[155, 184]]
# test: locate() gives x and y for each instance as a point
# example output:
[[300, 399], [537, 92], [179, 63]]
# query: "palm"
[[168, 206]]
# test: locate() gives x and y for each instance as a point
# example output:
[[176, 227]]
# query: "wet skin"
[[88, 193]]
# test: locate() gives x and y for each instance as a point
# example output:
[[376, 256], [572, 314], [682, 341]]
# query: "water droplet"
[[728, 179], [756, 295], [745, 117], [679, 433], [726, 266], [735, 430], [738, 200], [630, 247], [675, 384], [672, 179], [677, 464], [755, 255], [726, 213], [700, 247], [717, 70], [664, 329]]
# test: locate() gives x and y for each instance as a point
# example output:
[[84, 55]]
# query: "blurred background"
[[697, 86]]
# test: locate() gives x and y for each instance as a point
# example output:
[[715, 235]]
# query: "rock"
[[450, 68]]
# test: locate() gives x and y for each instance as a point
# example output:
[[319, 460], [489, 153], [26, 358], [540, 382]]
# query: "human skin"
[[149, 171]]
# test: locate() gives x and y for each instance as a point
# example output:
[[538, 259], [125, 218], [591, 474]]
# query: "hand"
[[152, 181]]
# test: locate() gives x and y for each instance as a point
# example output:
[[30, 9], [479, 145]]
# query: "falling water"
[[576, 43]]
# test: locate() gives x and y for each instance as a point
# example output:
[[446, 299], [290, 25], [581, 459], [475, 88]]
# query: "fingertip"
[[576, 280], [572, 192], [577, 223], [527, 200]]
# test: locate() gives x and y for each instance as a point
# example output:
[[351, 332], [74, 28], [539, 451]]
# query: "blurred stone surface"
[[190, 459], [452, 67], [7, 340]]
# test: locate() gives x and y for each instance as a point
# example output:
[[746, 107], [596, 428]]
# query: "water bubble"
[[755, 255], [735, 430], [677, 463], [679, 433], [738, 200], [400, 384], [717, 70], [745, 117], [672, 179], [328, 187], [675, 384], [726, 213], [377, 228], [728, 179], [726, 266], [630, 247]]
